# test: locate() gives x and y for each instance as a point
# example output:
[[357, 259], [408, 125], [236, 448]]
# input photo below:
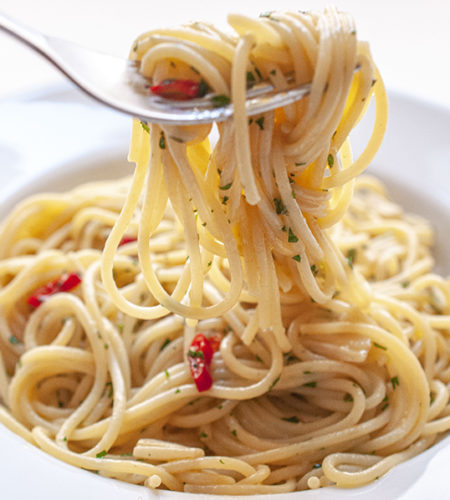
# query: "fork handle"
[[26, 35]]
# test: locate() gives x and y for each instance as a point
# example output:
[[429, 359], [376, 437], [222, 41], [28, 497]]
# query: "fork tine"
[[182, 111]]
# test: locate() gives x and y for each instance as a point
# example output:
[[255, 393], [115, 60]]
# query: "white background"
[[410, 39]]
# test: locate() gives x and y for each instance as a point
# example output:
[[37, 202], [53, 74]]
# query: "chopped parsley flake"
[[292, 238], [380, 346], [227, 186], [220, 100], [111, 389], [331, 160], [297, 257], [195, 354], [274, 383], [348, 397], [101, 454], [234, 432], [293, 420], [167, 374], [260, 122], [394, 382], [225, 199], [162, 141], [203, 88], [250, 79], [310, 384], [14, 340], [279, 206], [145, 126], [351, 257], [165, 344], [314, 270], [203, 435]]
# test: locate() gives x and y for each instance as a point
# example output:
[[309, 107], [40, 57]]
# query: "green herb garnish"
[[351, 257], [279, 206], [294, 419], [218, 101], [260, 122], [111, 390], [165, 344], [203, 88], [292, 238], [162, 141], [274, 383], [195, 354]]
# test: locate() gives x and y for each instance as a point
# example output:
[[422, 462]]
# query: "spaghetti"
[[333, 362]]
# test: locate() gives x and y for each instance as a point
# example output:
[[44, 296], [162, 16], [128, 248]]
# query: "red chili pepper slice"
[[214, 341], [127, 239], [201, 347], [179, 90], [200, 355], [200, 373], [65, 283]]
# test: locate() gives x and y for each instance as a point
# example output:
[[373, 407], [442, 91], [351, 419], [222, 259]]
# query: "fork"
[[117, 83]]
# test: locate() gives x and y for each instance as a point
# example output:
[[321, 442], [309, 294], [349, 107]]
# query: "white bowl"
[[70, 140]]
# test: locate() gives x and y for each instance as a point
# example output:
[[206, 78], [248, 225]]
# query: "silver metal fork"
[[117, 83]]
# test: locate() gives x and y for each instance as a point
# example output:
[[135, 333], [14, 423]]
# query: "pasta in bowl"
[[332, 360]]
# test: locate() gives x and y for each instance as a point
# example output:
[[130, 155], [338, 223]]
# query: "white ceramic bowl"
[[69, 140]]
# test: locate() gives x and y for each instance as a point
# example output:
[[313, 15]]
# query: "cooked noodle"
[[334, 363]]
